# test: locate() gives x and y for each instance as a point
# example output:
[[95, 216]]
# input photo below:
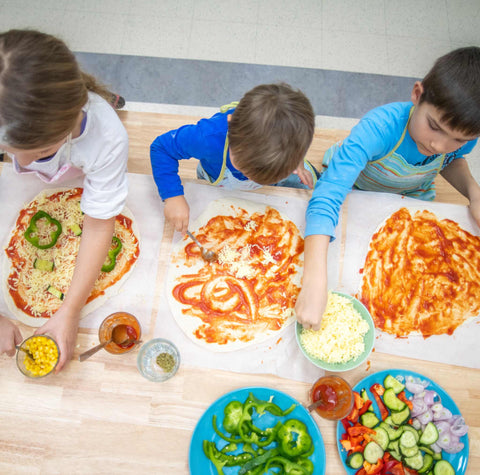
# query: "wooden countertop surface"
[[101, 416]]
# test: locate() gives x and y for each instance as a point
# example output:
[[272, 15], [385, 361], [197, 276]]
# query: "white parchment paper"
[[137, 295], [366, 211]]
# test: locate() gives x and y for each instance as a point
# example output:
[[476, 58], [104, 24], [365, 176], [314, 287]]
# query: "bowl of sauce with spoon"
[[120, 331], [331, 397]]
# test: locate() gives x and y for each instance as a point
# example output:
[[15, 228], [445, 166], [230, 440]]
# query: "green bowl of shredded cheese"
[[346, 336]]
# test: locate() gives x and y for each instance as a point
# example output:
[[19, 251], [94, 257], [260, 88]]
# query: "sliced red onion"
[[443, 415], [413, 386], [458, 426], [443, 427], [454, 448], [435, 448], [416, 424], [419, 407], [425, 417], [430, 397]]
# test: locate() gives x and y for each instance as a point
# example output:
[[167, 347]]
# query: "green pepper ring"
[[111, 260], [31, 235]]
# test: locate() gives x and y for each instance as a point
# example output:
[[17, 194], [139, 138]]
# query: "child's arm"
[[457, 173], [96, 240], [205, 141], [9, 336], [312, 299]]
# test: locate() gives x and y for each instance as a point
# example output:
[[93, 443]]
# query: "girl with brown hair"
[[57, 123]]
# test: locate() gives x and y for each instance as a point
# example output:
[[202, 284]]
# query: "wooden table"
[[101, 416]]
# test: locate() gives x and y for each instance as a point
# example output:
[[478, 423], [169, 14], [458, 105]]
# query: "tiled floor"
[[347, 55]]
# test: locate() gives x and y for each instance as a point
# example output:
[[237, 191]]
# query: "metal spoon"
[[119, 336], [314, 405], [21, 348], [208, 255]]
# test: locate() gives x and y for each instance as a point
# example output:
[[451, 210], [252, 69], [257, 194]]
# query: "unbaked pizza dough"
[[63, 205], [421, 275], [247, 296]]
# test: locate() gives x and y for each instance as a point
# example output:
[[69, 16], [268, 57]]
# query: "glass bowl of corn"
[[37, 356]]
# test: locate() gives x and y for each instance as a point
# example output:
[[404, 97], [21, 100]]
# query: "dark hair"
[[42, 89], [453, 86], [270, 132]]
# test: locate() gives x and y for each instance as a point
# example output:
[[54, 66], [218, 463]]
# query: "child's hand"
[[310, 306], [63, 327], [9, 336], [304, 175], [177, 212], [312, 299]]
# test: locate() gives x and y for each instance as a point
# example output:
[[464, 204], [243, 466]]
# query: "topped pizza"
[[41, 255], [421, 275], [249, 293]]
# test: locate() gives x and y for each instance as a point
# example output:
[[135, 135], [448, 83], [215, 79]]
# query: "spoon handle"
[[92, 351], [195, 239], [314, 405]]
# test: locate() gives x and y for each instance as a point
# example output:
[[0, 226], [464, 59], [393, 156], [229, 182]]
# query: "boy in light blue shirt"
[[397, 148]]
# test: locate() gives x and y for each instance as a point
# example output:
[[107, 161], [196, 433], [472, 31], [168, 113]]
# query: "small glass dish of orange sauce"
[[334, 396], [132, 329]]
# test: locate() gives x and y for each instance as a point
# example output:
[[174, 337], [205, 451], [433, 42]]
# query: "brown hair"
[[270, 132], [42, 89], [453, 86]]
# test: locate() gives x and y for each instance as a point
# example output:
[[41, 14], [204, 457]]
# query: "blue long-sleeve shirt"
[[204, 140], [372, 138]]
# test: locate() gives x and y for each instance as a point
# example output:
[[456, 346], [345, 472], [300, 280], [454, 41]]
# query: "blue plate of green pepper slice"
[[199, 464]]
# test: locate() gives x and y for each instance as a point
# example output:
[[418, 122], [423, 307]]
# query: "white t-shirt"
[[101, 153]]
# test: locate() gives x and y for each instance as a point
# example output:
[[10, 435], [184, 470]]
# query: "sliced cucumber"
[[437, 456], [381, 437], [394, 446], [369, 419], [355, 460], [430, 434], [43, 264], [409, 451], [57, 293], [396, 455], [401, 417], [392, 402], [76, 229], [394, 383], [364, 396], [393, 434], [373, 452], [442, 467], [427, 464], [415, 462], [411, 429], [408, 440]]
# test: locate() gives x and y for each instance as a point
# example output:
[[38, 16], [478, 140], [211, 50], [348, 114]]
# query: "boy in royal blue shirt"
[[261, 141], [396, 148]]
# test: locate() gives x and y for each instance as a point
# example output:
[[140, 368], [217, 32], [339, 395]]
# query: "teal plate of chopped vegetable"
[[402, 423], [256, 430]]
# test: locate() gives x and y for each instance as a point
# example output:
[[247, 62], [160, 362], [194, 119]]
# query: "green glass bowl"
[[368, 339]]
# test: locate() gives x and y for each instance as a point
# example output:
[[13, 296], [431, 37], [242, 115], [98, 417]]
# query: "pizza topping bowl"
[[123, 329], [334, 395], [158, 360], [45, 353]]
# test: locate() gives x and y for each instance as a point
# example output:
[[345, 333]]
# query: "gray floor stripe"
[[213, 83]]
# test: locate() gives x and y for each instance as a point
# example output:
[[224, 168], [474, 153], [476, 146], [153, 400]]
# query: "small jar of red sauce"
[[131, 330], [336, 397]]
